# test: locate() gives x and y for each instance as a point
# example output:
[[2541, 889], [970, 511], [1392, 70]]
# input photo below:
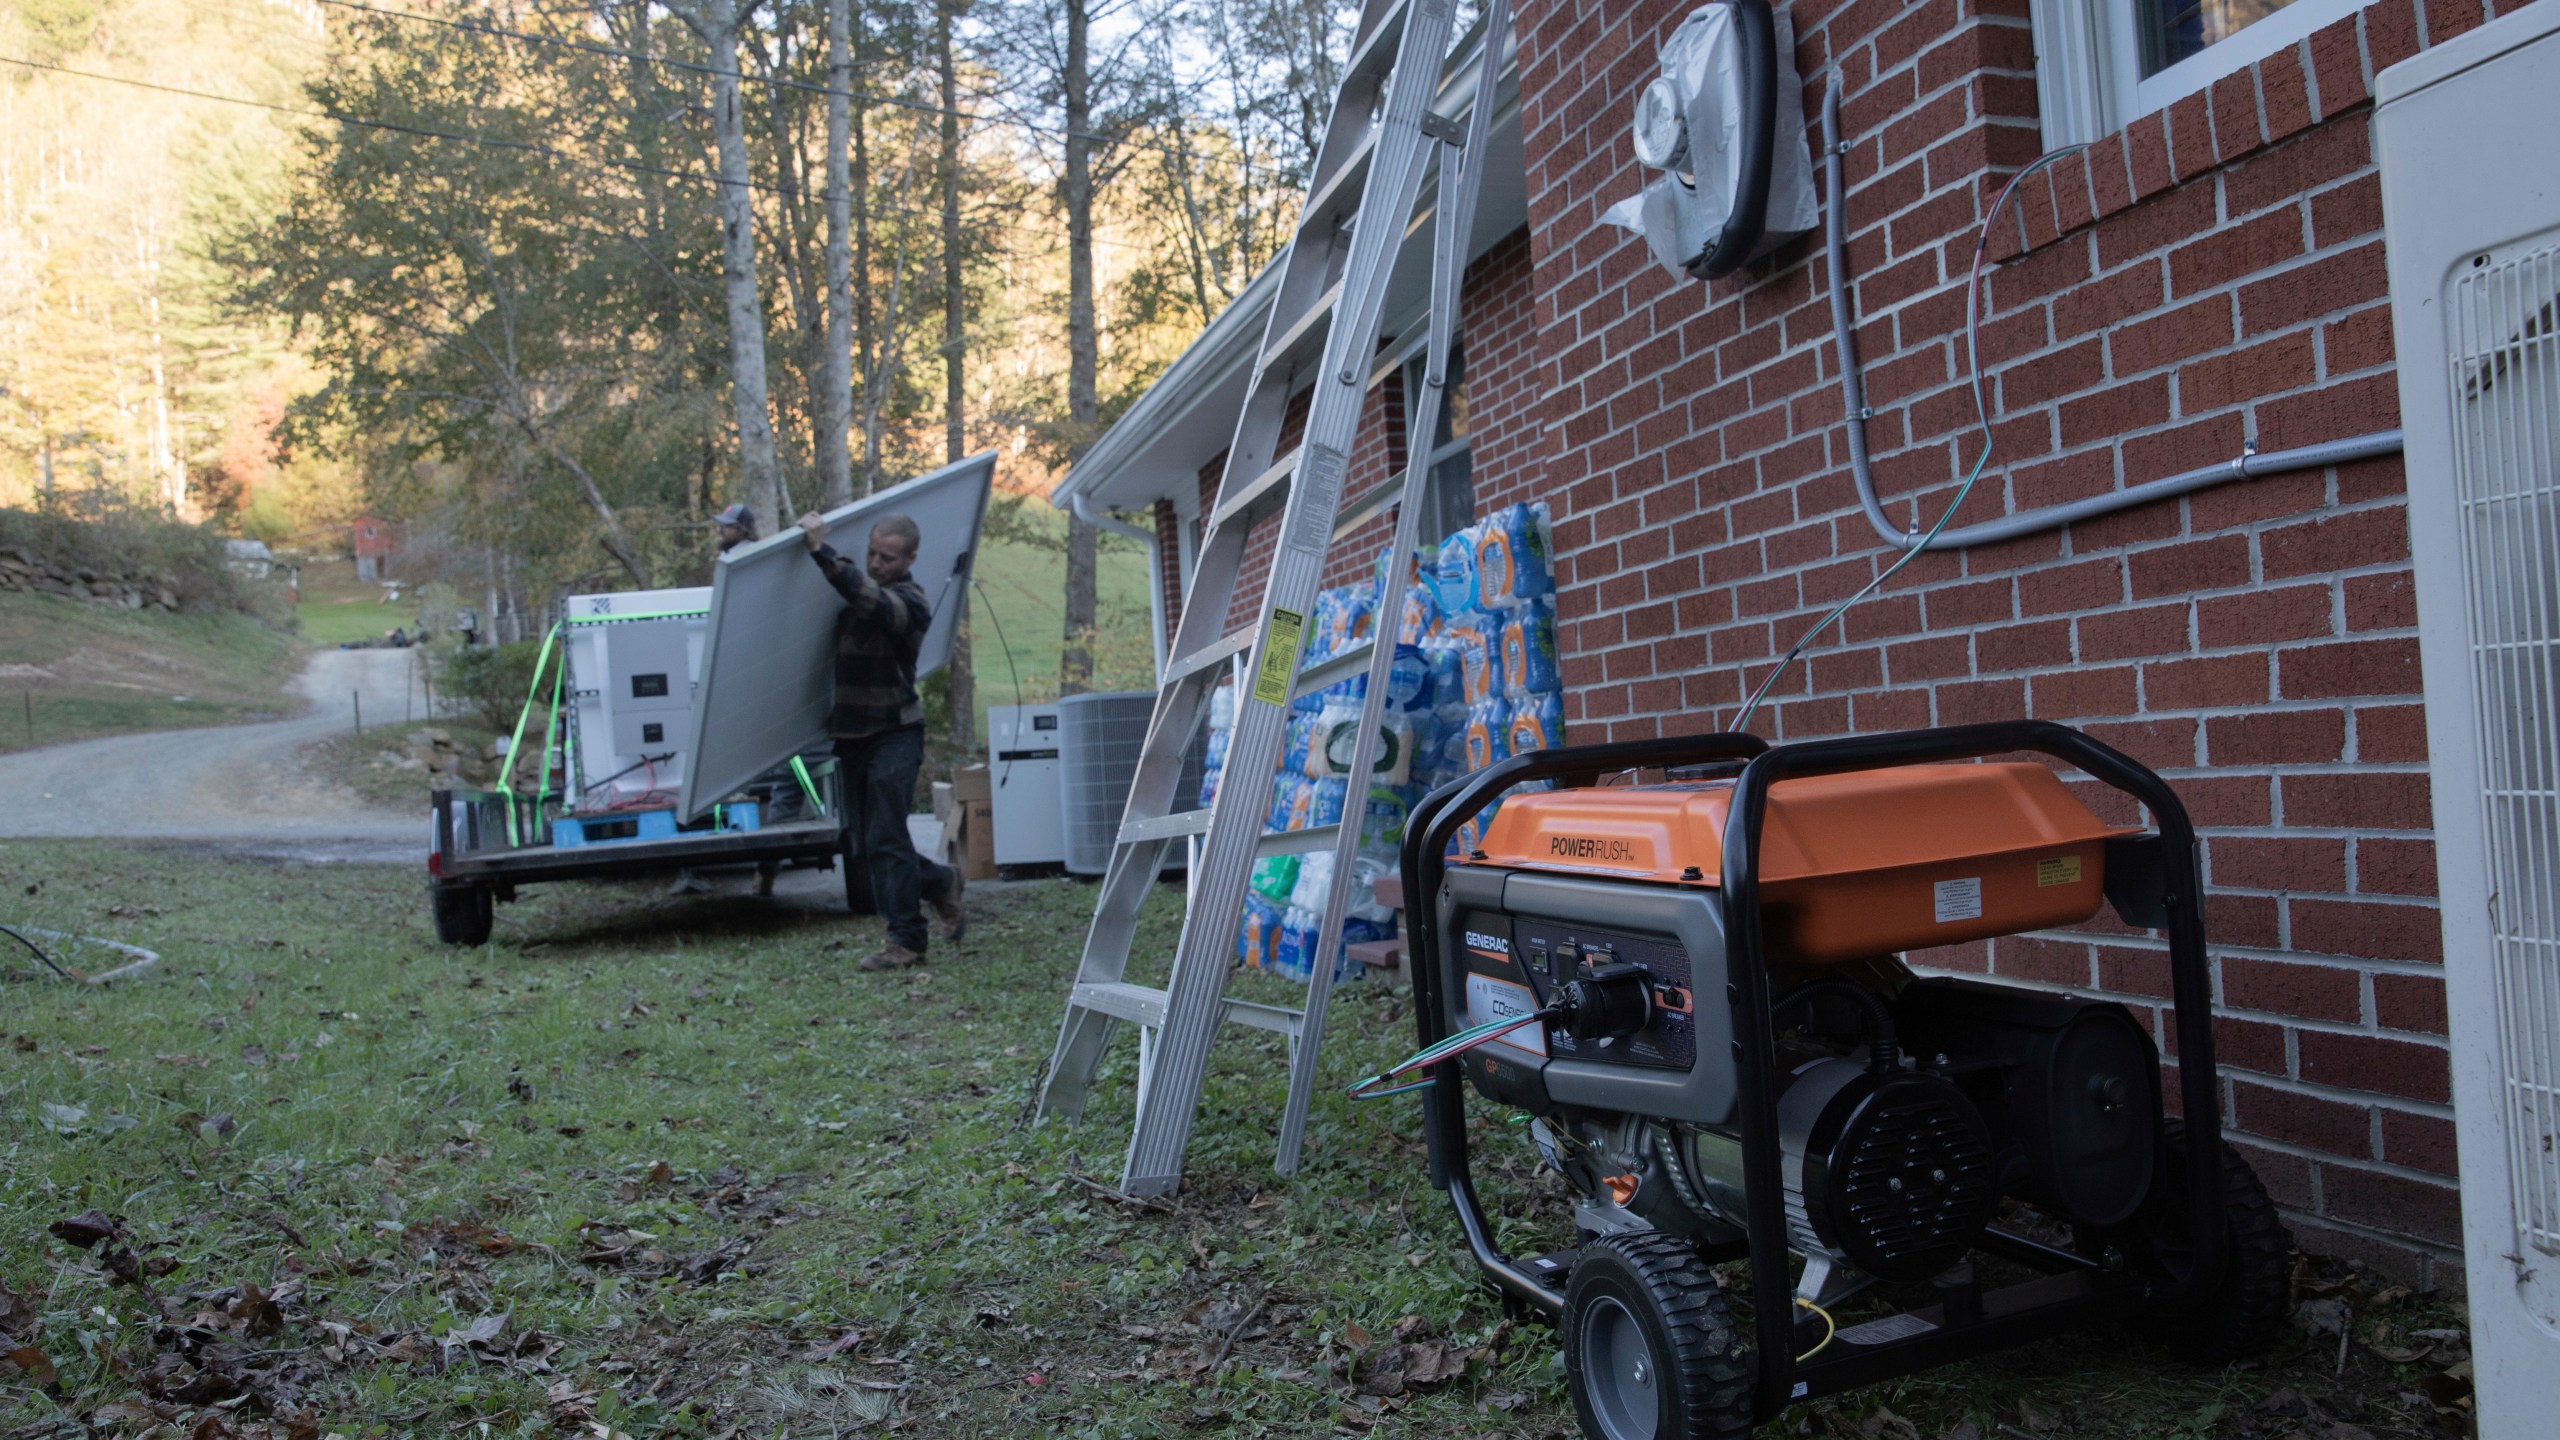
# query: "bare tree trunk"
[[835, 405], [955, 349], [1075, 655], [866, 332], [717, 22]]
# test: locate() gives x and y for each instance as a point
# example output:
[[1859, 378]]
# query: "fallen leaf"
[[1416, 1366], [85, 1229], [62, 1119], [2447, 1390], [17, 1317], [35, 1364], [2323, 1317], [1885, 1425], [1358, 1336]]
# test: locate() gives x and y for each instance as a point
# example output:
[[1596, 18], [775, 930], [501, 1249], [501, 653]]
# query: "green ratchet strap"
[[801, 773], [515, 745]]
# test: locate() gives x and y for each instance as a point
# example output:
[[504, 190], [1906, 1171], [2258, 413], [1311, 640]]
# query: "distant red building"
[[373, 540]]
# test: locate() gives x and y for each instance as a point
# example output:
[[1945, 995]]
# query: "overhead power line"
[[426, 132], [466, 137], [499, 32]]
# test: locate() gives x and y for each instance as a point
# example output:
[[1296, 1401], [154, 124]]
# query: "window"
[[2103, 64], [1449, 502]]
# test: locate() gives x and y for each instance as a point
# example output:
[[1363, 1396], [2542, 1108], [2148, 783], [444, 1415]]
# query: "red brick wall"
[[1507, 435], [2211, 275], [1166, 522]]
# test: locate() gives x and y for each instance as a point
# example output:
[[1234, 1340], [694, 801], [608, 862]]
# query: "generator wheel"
[[2249, 1310], [463, 913], [1650, 1352]]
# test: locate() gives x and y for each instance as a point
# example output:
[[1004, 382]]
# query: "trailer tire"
[[2249, 1310], [1650, 1351], [464, 913]]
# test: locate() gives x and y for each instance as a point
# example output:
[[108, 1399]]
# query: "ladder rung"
[[1376, 49], [1251, 499], [1136, 1004], [1343, 183], [1368, 505], [1144, 1005], [1165, 827], [1208, 657], [1283, 1018], [1354, 660], [1297, 842], [1284, 352]]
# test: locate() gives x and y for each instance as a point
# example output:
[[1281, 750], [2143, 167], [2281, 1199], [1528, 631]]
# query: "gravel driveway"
[[233, 783]]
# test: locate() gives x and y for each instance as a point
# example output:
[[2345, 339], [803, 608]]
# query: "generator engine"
[[1907, 1108]]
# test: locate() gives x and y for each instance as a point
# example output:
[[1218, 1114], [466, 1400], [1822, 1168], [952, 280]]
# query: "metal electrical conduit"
[[1853, 397]]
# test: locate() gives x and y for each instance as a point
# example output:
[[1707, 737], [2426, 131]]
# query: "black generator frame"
[[2152, 880]]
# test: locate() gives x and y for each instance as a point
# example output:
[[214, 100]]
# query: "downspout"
[[1082, 505], [1853, 400]]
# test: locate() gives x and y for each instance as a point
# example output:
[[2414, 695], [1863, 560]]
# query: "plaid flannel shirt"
[[878, 634]]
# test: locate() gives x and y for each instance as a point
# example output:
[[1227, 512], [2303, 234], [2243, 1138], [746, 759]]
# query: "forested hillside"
[[122, 378], [547, 283]]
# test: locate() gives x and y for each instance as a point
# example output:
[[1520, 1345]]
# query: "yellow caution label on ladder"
[[1279, 656]]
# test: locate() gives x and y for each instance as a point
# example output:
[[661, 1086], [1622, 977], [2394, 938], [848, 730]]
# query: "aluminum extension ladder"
[[1327, 313]]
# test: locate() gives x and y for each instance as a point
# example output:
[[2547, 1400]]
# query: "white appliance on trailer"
[[2471, 217], [633, 659]]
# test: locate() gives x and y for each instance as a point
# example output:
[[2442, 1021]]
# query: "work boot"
[[892, 956], [946, 907]]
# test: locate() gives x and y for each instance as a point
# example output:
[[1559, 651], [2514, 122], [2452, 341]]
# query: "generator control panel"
[[1517, 963]]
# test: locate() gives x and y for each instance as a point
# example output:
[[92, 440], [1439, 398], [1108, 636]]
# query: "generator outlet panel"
[[1511, 938]]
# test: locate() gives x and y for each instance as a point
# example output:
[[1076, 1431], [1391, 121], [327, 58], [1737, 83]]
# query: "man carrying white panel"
[[878, 729]]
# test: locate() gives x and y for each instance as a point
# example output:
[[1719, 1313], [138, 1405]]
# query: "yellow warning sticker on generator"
[[2059, 870], [1279, 657]]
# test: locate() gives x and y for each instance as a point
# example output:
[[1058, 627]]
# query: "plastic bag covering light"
[[1693, 124], [768, 660]]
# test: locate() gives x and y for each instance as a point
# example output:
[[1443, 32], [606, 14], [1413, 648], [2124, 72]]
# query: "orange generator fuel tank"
[[1853, 865]]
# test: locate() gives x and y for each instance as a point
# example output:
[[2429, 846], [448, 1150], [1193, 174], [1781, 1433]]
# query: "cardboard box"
[[972, 827]]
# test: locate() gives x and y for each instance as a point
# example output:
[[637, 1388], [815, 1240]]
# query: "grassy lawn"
[[656, 1167], [86, 670], [330, 623], [1025, 589]]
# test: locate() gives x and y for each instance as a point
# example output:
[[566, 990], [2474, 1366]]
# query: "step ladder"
[[1333, 280]]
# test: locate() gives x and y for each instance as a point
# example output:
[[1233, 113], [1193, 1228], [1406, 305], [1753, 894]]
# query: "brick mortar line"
[[2300, 1151]]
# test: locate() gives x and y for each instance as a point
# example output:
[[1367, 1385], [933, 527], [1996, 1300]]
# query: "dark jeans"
[[879, 774]]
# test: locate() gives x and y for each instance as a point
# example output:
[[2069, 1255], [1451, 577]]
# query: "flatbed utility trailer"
[[471, 865]]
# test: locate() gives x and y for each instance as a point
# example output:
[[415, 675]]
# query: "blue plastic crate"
[[572, 831]]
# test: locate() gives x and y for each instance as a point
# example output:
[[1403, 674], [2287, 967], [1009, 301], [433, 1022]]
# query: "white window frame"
[[2089, 81]]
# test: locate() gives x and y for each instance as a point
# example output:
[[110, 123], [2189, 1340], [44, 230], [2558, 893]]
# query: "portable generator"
[[1693, 990]]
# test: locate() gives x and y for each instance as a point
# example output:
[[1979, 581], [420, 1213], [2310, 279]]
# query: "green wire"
[[1982, 414]]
